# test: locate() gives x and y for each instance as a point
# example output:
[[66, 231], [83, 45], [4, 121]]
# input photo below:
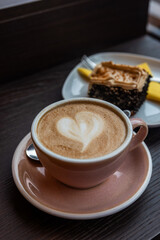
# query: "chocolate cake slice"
[[123, 85]]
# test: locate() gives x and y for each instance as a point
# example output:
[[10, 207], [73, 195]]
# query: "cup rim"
[[76, 160]]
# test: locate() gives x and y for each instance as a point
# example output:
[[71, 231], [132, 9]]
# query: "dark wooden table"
[[20, 101]]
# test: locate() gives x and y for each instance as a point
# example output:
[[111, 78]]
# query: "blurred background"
[[35, 35], [153, 24]]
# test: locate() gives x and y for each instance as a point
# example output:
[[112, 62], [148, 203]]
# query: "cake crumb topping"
[[119, 75]]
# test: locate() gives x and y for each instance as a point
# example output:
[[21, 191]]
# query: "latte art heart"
[[85, 127]]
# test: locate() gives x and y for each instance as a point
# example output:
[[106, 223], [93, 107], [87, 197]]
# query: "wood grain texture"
[[20, 101], [37, 35]]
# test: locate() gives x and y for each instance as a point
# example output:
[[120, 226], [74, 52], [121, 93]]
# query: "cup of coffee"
[[82, 141]]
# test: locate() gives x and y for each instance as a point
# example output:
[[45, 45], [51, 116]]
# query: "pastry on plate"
[[123, 85]]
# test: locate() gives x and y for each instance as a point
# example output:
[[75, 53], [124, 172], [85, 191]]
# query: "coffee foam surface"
[[81, 130]]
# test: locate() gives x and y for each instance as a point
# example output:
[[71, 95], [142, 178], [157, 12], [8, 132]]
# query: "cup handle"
[[140, 135]]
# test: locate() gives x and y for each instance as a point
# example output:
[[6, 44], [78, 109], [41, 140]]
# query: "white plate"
[[76, 86]]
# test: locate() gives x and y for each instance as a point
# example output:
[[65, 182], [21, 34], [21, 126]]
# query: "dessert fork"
[[88, 62]]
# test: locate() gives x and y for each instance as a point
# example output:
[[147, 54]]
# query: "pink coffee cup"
[[90, 172]]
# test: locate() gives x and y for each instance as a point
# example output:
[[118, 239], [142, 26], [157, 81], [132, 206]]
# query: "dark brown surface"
[[40, 34], [20, 101]]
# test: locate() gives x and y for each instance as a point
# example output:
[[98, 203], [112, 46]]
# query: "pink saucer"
[[121, 189]]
